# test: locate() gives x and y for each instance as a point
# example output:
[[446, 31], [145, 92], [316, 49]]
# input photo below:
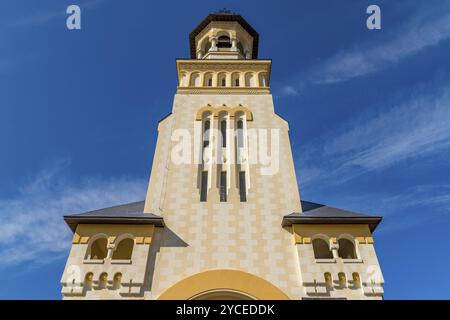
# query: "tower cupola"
[[224, 35]]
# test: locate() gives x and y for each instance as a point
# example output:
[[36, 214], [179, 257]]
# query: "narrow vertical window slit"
[[242, 187], [204, 187], [223, 186]]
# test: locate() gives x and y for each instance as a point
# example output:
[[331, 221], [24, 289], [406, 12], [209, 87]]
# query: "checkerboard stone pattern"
[[200, 236], [246, 236]]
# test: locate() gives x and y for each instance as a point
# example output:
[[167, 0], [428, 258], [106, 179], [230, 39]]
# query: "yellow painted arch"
[[223, 279], [231, 111]]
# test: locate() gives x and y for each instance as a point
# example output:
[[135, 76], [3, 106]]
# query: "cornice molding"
[[222, 90]]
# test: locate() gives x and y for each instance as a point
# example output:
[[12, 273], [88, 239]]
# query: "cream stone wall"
[[248, 236], [205, 236], [245, 236], [208, 245], [313, 270], [134, 281]]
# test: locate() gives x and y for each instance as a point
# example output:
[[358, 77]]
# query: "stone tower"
[[222, 218]]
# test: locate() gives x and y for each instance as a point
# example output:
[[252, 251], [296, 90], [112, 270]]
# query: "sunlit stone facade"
[[222, 218]]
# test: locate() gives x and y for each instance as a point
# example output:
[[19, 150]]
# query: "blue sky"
[[369, 115]]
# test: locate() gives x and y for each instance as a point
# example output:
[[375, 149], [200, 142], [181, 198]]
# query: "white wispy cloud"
[[418, 34], [415, 205], [375, 141], [423, 31], [32, 229], [290, 91]]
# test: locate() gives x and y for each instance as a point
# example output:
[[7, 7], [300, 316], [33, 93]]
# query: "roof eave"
[[371, 221], [73, 221]]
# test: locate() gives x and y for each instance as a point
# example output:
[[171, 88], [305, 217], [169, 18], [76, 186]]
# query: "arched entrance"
[[222, 295], [223, 284]]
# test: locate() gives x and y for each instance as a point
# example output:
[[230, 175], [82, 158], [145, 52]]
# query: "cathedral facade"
[[223, 217]]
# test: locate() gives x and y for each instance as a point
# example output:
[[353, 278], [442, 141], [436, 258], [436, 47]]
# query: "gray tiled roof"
[[133, 213], [127, 208], [129, 213], [312, 209], [315, 213]]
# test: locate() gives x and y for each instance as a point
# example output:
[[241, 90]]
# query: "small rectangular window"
[[204, 186], [223, 186], [242, 187]]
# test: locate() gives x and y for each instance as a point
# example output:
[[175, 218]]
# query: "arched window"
[[183, 80], [240, 153], [328, 280], [124, 250], [342, 280], [262, 80], [356, 280], [223, 42], [117, 280], [240, 134], [235, 80], [208, 80], [250, 80], [88, 280], [222, 79], [206, 128], [195, 80], [223, 131], [98, 249], [321, 249], [346, 249], [103, 280]]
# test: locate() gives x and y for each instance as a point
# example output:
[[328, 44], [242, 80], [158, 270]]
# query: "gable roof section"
[[315, 213], [129, 213]]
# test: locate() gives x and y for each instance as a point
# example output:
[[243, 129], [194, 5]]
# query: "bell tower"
[[222, 217], [224, 35]]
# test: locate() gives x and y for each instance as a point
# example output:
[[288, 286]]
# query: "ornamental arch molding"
[[223, 281]]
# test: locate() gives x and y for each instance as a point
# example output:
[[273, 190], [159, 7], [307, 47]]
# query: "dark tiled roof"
[[129, 213], [133, 213], [224, 16], [315, 213]]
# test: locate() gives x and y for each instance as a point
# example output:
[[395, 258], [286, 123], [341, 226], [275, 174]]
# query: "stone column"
[[334, 249], [228, 79], [215, 79], [233, 44], [213, 44]]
